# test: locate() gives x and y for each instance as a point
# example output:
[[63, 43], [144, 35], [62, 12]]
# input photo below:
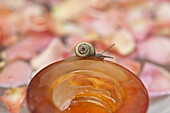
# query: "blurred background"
[[35, 33]]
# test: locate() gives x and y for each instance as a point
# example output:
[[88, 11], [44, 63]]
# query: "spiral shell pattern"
[[84, 49]]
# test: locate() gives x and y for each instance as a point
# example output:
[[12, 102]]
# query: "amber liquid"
[[85, 107], [87, 93]]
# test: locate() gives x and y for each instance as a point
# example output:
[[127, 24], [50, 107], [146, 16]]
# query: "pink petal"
[[52, 2], [28, 47], [4, 34], [141, 29], [99, 24], [139, 22], [76, 40], [130, 64], [13, 98], [54, 52], [162, 11], [156, 49], [100, 4], [8, 26], [21, 50], [162, 28], [34, 18], [123, 40], [39, 41], [15, 74], [156, 80], [10, 40]]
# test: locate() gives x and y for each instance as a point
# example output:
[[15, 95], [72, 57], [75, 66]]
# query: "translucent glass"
[[81, 85]]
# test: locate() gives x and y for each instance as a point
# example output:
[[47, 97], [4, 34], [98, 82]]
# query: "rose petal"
[[21, 50], [4, 30], [28, 47], [162, 29], [130, 64], [51, 2], [140, 21], [10, 40], [100, 24], [39, 42], [13, 98], [156, 80], [162, 11], [68, 10], [155, 49], [123, 40], [54, 52], [100, 4], [34, 18], [15, 74], [72, 41], [142, 28]]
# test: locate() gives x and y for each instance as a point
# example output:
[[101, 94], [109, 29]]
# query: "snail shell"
[[84, 49]]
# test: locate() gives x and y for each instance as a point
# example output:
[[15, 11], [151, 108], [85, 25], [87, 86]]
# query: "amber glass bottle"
[[86, 85]]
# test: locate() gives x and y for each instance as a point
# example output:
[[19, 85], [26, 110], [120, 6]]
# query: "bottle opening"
[[87, 91]]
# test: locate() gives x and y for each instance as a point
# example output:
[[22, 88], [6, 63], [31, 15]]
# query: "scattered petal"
[[123, 40], [156, 80], [155, 49], [54, 52], [161, 29], [70, 29], [142, 28], [130, 64], [21, 50], [68, 10], [4, 30], [19, 74], [10, 40], [101, 25], [162, 12], [76, 40], [13, 98], [28, 47], [100, 4], [35, 18], [39, 42]]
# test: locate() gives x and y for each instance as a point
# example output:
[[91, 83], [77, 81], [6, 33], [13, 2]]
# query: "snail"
[[86, 49]]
